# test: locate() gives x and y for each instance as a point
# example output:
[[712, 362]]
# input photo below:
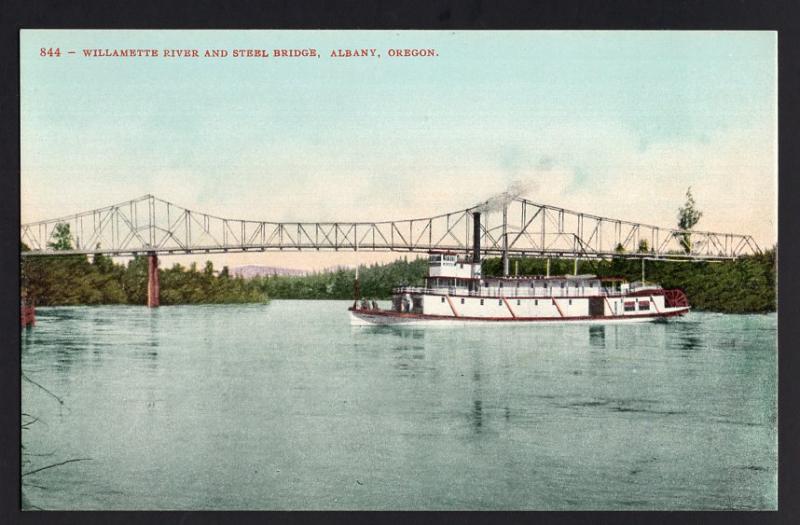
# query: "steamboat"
[[455, 292]]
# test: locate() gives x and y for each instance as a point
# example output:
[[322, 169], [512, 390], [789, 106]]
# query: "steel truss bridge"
[[518, 228]]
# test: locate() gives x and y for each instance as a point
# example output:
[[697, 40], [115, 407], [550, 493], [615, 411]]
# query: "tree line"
[[375, 281], [744, 285], [77, 280]]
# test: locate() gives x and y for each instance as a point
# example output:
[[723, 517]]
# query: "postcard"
[[398, 270]]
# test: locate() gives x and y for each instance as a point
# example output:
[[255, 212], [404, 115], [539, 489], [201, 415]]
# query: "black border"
[[779, 15]]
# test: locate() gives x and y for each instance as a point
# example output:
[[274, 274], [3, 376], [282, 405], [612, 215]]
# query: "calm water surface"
[[285, 406]]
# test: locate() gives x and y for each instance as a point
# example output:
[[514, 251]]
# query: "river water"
[[285, 406]]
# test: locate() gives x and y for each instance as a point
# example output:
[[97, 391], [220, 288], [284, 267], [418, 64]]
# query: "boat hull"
[[362, 317]]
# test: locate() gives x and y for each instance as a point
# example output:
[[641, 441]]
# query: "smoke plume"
[[497, 202]]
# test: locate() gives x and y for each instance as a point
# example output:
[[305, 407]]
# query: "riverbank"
[[75, 280], [746, 285]]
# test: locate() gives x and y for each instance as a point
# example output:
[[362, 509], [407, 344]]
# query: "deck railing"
[[523, 291]]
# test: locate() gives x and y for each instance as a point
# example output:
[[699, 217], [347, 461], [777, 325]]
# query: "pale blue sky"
[[583, 116]]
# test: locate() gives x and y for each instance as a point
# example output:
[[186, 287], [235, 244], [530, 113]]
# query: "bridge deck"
[[520, 228]]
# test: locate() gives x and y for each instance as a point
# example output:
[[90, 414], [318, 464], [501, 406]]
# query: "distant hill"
[[251, 270]]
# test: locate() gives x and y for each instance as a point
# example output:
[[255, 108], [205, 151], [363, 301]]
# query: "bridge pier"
[[153, 285]]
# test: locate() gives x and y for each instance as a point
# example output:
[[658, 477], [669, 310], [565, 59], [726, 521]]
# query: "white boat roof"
[[541, 277]]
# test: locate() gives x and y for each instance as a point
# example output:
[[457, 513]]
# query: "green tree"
[[643, 246], [103, 263], [745, 285], [62, 237], [134, 280], [63, 280], [688, 217]]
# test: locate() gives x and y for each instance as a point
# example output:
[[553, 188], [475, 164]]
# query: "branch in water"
[[29, 423], [33, 420], [55, 465], [28, 379]]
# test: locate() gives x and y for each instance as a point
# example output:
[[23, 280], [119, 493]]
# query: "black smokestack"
[[476, 237]]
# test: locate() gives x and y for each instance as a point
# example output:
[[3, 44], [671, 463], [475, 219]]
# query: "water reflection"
[[408, 350], [66, 353], [597, 336], [154, 327], [476, 412], [686, 336], [408, 341], [690, 342], [151, 353], [477, 415], [403, 332], [446, 414]]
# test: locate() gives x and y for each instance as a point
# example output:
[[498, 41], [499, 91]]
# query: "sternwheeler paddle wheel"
[[675, 298]]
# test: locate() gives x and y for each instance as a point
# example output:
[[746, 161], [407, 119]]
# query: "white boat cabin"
[[445, 265], [449, 274], [455, 288]]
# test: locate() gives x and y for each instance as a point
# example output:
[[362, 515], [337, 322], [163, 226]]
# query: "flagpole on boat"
[[356, 284]]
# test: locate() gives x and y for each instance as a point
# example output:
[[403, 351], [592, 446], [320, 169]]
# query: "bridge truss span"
[[519, 228]]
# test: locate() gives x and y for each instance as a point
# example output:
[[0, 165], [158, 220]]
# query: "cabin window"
[[536, 302], [500, 302], [531, 284], [630, 306], [562, 285], [545, 285], [501, 284], [481, 302], [442, 299], [462, 300], [517, 302], [644, 305], [570, 302]]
